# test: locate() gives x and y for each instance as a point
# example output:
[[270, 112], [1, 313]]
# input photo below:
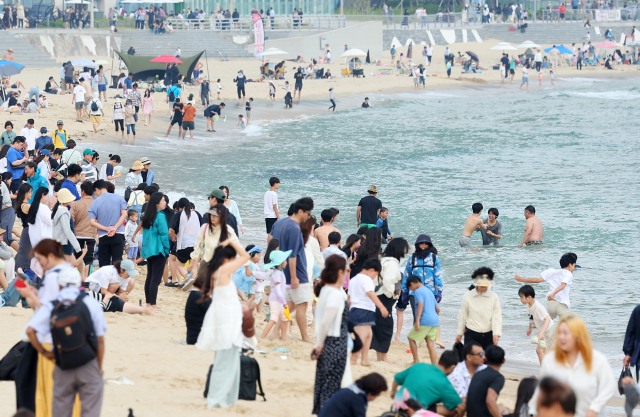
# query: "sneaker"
[[188, 284]]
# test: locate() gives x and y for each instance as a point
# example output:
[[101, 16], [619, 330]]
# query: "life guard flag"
[[258, 29]]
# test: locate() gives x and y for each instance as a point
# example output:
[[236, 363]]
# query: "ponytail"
[[331, 272]]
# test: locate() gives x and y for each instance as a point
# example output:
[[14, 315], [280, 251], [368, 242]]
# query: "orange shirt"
[[189, 113]]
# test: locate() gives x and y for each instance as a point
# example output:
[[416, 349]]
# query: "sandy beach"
[[168, 377]]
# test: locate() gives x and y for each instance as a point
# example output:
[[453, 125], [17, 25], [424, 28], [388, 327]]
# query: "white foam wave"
[[606, 95]]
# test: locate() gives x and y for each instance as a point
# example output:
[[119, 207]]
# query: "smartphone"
[[19, 283], [314, 355]]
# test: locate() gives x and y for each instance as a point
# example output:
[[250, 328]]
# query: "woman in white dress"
[[222, 327]]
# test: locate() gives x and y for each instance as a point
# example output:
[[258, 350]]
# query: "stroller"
[[319, 73]]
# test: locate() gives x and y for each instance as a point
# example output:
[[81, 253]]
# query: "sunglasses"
[[481, 354]]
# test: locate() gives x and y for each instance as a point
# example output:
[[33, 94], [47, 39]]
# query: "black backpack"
[[127, 194], [94, 106], [172, 96], [249, 377], [74, 340]]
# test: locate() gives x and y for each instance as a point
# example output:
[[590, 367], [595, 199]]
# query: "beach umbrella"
[[607, 44], [166, 59], [353, 53], [561, 49], [528, 44], [102, 62], [528, 52], [8, 69], [84, 63], [274, 51], [504, 46], [473, 55]]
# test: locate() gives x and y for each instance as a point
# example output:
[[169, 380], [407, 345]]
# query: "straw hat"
[[10, 50], [137, 165], [65, 196]]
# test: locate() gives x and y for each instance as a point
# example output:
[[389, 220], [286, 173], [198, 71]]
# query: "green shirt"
[[429, 385], [7, 138]]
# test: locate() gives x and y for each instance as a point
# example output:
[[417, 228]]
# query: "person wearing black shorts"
[[176, 118], [298, 76]]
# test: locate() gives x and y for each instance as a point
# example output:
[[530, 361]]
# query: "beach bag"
[[249, 377], [626, 371], [127, 194], [74, 340], [9, 363]]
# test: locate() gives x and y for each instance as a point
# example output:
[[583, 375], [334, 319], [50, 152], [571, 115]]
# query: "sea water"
[[571, 151]]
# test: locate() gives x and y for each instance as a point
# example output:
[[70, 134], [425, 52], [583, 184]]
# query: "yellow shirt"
[[481, 313], [58, 143]]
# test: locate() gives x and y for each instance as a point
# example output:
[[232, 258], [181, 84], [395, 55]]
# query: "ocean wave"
[[585, 80], [604, 95]]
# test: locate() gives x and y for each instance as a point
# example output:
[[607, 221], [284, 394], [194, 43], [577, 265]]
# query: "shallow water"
[[570, 151]]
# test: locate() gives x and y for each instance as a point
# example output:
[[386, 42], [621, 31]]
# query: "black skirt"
[[383, 330], [331, 365]]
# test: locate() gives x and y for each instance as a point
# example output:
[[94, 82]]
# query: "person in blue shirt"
[[425, 264], [43, 139], [74, 172], [384, 225], [427, 323], [15, 158], [147, 175], [33, 177], [128, 84], [176, 92]]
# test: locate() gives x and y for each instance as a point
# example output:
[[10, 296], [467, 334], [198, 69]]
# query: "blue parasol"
[[8, 69], [561, 49]]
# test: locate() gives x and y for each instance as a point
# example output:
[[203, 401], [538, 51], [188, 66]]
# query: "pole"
[[342, 7], [206, 59], [91, 14]]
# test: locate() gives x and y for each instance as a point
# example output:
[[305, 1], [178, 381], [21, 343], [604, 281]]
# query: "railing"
[[432, 21], [276, 23]]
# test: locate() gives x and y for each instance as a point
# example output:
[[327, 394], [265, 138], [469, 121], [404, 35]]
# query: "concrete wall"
[[398, 37], [62, 45], [364, 36]]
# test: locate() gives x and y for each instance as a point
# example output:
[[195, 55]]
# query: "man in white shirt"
[[462, 374], [429, 53], [559, 281], [31, 135], [538, 58], [271, 214], [78, 99]]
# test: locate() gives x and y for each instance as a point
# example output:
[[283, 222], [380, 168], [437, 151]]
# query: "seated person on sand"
[[327, 75], [110, 285], [255, 80], [300, 60], [15, 84], [607, 65]]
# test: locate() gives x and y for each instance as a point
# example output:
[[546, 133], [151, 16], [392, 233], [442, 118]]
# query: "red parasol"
[[166, 59]]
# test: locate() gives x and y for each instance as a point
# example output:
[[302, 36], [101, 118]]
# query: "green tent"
[[143, 70]]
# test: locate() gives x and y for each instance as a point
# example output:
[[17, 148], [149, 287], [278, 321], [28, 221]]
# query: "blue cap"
[[255, 249], [45, 152]]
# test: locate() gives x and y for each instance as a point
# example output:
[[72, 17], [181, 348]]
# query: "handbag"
[[626, 372], [201, 256]]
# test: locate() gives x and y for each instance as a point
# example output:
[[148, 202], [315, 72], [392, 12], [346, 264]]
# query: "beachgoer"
[[333, 103], [107, 170], [464, 372], [271, 213], [184, 231], [480, 316], [485, 386], [277, 303], [78, 99], [473, 223], [214, 231], [366, 104], [539, 320], [390, 275], [557, 399], [118, 117], [428, 384], [211, 112], [130, 116], [493, 232], [353, 400], [84, 232], [222, 326], [107, 213], [427, 322], [188, 115], [326, 227], [247, 109], [576, 363], [176, 117], [525, 76], [533, 230], [368, 209], [240, 81], [559, 281]]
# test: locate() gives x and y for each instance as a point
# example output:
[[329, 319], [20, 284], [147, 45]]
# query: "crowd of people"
[[308, 274]]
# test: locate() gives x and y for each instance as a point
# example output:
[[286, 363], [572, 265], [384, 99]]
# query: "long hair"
[[397, 248], [350, 241], [222, 214], [151, 212], [4, 150], [273, 245], [331, 272], [35, 205], [372, 245], [39, 159], [306, 228], [580, 332], [185, 204], [20, 199], [525, 391], [209, 280], [48, 247]]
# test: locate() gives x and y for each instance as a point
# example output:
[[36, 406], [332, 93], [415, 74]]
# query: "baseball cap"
[[88, 152], [219, 194], [60, 122], [43, 130], [45, 152], [129, 267]]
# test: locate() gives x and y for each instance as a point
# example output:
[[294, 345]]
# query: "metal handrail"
[[276, 23], [430, 21]]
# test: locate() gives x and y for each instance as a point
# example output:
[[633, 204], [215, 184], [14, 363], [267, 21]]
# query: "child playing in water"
[[276, 297], [540, 78], [552, 77], [242, 122], [539, 320]]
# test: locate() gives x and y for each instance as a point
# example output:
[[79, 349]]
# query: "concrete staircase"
[[190, 42], [25, 53], [542, 33]]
